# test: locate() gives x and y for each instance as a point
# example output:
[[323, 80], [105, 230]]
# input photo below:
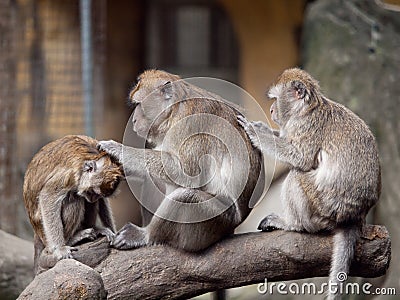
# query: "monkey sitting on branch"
[[66, 187], [334, 176], [202, 157]]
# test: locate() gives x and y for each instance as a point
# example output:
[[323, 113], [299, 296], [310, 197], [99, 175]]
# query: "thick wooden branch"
[[163, 272]]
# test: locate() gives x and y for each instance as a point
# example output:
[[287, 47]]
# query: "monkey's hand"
[[260, 134], [129, 237], [113, 148], [107, 232], [88, 234], [64, 252], [271, 223]]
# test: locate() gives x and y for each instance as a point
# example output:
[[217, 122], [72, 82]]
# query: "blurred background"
[[66, 67]]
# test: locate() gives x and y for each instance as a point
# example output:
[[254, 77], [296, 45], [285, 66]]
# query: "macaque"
[[334, 176], [66, 187], [199, 152]]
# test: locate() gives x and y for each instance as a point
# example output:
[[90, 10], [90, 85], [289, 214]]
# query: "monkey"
[[198, 151], [334, 176], [66, 187]]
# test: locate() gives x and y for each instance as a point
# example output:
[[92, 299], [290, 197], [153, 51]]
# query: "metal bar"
[[87, 63]]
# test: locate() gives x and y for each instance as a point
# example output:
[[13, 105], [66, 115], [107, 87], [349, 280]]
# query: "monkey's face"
[[294, 95], [99, 179], [151, 98]]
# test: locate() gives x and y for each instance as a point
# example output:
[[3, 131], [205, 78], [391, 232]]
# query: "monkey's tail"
[[344, 242]]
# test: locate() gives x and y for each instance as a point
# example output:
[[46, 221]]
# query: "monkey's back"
[[58, 166], [218, 134], [347, 177]]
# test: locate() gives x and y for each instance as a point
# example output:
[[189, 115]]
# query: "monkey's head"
[[296, 93], [151, 99], [99, 179]]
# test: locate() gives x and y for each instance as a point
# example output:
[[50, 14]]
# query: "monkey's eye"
[[300, 89], [166, 90]]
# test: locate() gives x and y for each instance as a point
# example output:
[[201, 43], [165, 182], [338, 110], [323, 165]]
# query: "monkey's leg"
[[38, 247], [50, 203], [295, 212], [171, 222], [192, 220]]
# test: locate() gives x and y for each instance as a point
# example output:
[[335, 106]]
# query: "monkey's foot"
[[88, 234], [113, 148], [129, 237], [107, 232], [271, 222], [64, 252]]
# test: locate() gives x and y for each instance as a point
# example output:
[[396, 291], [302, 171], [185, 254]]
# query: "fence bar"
[[87, 63]]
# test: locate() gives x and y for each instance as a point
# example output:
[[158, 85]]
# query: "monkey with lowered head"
[[199, 152], [66, 187], [334, 176]]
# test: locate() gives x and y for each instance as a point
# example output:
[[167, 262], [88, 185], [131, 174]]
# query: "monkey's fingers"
[[111, 147], [85, 234], [129, 237], [251, 133], [123, 243], [243, 122], [73, 249], [64, 252], [107, 232]]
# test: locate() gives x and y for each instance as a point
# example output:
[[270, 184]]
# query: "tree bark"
[[161, 272]]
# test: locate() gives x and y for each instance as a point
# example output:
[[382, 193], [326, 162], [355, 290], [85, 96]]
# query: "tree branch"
[[159, 272]]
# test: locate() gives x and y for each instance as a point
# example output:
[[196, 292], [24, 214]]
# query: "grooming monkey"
[[335, 173], [66, 186], [185, 126]]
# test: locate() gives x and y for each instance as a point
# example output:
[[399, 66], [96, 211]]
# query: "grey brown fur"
[[334, 176], [66, 186], [178, 158]]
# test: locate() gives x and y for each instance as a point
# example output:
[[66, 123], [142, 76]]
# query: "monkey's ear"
[[166, 90], [89, 166], [300, 90]]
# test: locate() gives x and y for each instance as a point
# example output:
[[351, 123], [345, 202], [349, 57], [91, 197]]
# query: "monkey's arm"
[[105, 214], [269, 142], [106, 219], [143, 162], [50, 203]]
